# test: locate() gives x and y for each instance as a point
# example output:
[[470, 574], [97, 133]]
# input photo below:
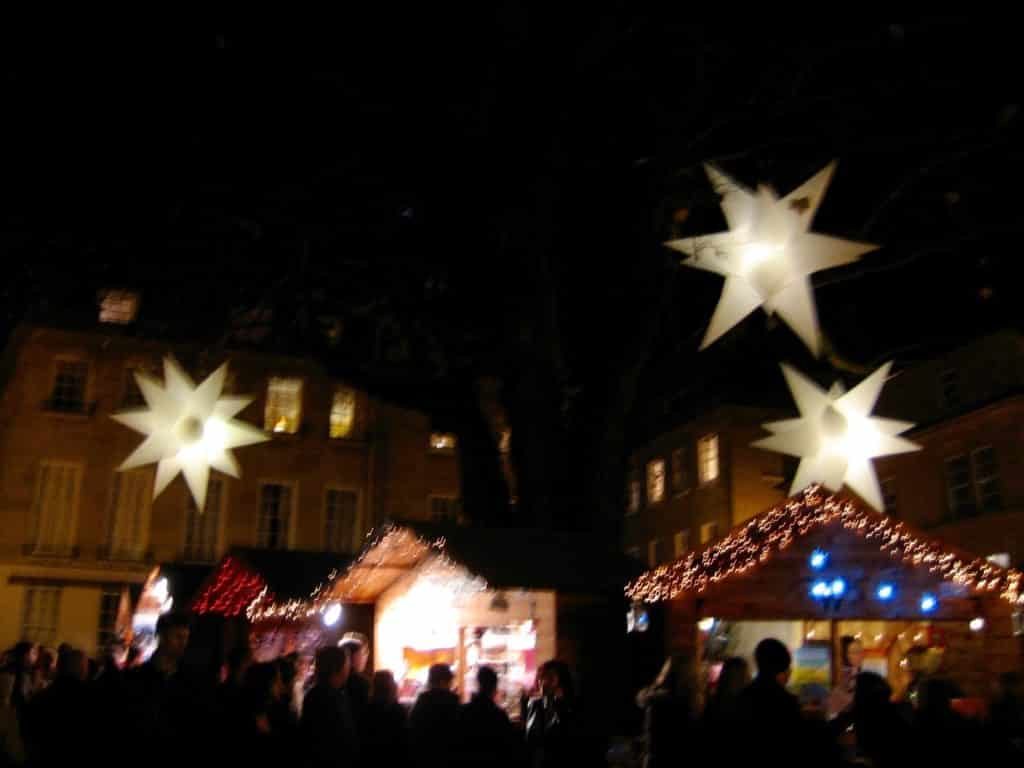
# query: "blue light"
[[819, 559], [820, 589], [928, 603], [885, 591], [838, 587]]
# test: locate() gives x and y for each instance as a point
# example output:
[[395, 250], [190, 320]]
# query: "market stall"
[[821, 571]]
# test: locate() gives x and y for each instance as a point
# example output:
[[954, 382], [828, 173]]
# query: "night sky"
[[497, 189]]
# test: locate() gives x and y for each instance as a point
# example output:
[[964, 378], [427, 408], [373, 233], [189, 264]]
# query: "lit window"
[[39, 620], [118, 307], [949, 389], [958, 486], [707, 458], [132, 397], [505, 442], [708, 533], [53, 511], [655, 481], [889, 496], [284, 406], [682, 543], [69, 383], [653, 555], [110, 605], [442, 441], [202, 527], [679, 470], [343, 412], [634, 496], [129, 514], [986, 479], [340, 508], [445, 509], [275, 516]]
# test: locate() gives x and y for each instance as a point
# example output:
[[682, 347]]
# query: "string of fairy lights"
[[773, 531]]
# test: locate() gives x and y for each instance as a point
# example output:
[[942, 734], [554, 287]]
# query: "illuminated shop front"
[[819, 568]]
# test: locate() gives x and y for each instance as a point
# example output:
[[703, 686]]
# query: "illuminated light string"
[[773, 531], [232, 591]]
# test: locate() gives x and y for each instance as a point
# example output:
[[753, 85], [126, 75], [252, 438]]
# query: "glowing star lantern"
[[188, 429], [835, 437], [768, 255]]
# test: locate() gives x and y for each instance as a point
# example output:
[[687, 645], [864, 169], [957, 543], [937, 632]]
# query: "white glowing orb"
[[332, 614], [188, 429], [706, 625], [836, 437], [768, 255]]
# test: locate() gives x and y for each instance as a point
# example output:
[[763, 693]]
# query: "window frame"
[[188, 554], [86, 405], [289, 528], [711, 525], [52, 633], [681, 536], [113, 496], [269, 426], [72, 544], [651, 477], [448, 497], [357, 526], [711, 438], [353, 427]]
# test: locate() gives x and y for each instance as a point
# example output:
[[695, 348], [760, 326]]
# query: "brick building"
[[75, 531]]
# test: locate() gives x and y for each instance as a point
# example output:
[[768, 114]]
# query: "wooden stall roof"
[[504, 558], [764, 560]]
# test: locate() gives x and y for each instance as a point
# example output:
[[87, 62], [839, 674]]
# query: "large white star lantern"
[[768, 254], [188, 429], [836, 437]]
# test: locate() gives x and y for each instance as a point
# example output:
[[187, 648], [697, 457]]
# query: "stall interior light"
[[331, 614], [706, 625], [977, 624], [885, 591], [928, 603], [819, 559]]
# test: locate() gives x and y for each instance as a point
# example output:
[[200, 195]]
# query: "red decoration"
[[231, 590]]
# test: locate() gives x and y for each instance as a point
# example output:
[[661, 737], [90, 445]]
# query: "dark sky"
[[392, 158]]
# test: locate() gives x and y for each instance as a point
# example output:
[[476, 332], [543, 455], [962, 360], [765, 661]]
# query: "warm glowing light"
[[707, 624], [879, 637], [768, 254], [835, 437], [811, 634], [928, 603], [332, 614], [818, 559], [977, 624], [885, 591], [189, 429]]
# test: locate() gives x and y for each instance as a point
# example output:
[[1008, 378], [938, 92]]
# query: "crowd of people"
[[759, 722], [68, 710], [64, 709]]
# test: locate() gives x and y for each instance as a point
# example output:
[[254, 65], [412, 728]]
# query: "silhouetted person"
[[255, 740], [327, 731], [944, 736], [771, 714], [385, 728], [882, 736], [163, 706], [668, 714], [228, 699], [358, 687], [12, 749], [283, 712], [723, 709], [486, 735], [64, 708], [551, 721], [1006, 715], [433, 720], [22, 662]]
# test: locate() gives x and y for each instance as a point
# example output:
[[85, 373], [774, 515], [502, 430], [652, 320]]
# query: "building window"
[[707, 458], [986, 479], [133, 397], [284, 406], [118, 307], [634, 496], [682, 543], [949, 389], [202, 527], [445, 509], [69, 383], [653, 554], [343, 412], [889, 496], [129, 514], [53, 511], [708, 533], [505, 441], [42, 611], [110, 603], [340, 518], [275, 516], [442, 441], [958, 486], [655, 481], [679, 480]]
